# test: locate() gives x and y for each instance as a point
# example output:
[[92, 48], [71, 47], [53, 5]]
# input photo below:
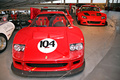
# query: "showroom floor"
[[100, 42]]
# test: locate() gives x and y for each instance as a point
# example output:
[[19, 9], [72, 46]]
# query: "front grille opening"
[[47, 65], [93, 22], [98, 14], [75, 62], [84, 22], [17, 62]]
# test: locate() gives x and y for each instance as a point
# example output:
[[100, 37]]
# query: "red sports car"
[[90, 15], [50, 46]]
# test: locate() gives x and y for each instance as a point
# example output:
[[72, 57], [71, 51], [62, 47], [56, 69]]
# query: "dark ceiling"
[[8, 4]]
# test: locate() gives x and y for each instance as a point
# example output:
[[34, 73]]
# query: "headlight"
[[84, 17], [77, 46], [102, 17], [19, 47], [72, 47]]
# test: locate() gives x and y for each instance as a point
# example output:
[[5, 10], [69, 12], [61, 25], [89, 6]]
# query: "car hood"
[[32, 38], [93, 13]]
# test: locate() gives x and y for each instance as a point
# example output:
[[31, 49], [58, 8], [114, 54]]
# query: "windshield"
[[89, 9], [50, 20]]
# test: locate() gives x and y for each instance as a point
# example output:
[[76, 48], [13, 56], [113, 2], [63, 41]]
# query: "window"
[[46, 2], [99, 1], [70, 1], [84, 1], [89, 9], [115, 1], [110, 1], [59, 1]]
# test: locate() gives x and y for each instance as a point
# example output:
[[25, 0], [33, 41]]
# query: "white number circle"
[[47, 45]]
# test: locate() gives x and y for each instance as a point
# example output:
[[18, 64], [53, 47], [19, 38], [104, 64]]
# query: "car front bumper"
[[47, 73], [92, 22]]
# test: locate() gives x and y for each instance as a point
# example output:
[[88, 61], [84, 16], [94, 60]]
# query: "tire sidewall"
[[77, 20], [6, 42], [106, 23]]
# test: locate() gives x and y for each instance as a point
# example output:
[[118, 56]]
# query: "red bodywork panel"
[[34, 12], [32, 36], [92, 17]]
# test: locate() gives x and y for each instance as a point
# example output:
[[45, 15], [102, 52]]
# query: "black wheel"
[[106, 23], [77, 20], [3, 43]]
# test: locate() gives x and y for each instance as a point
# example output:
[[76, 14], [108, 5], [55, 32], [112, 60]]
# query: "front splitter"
[[47, 74]]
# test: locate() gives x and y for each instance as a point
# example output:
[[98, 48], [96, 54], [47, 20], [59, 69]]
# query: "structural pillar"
[[112, 1], [106, 2], [77, 1], [51, 2], [117, 1], [91, 1]]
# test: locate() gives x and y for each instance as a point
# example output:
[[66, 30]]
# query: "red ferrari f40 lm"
[[50, 46]]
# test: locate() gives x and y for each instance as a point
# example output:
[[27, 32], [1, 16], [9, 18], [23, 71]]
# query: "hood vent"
[[98, 14], [92, 14], [86, 14]]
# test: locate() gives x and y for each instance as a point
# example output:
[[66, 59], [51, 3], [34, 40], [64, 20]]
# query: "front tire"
[[77, 20], [3, 43], [106, 23]]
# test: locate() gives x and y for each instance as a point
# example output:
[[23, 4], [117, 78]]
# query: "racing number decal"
[[47, 45]]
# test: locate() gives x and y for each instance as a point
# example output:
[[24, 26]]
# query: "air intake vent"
[[93, 22], [47, 65], [86, 14], [98, 14], [92, 14]]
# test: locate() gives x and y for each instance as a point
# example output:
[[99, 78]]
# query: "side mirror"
[[30, 21]]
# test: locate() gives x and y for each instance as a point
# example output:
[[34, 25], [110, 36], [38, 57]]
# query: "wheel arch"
[[5, 46], [4, 35]]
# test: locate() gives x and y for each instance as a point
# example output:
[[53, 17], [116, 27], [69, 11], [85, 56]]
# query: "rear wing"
[[48, 9], [35, 11]]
